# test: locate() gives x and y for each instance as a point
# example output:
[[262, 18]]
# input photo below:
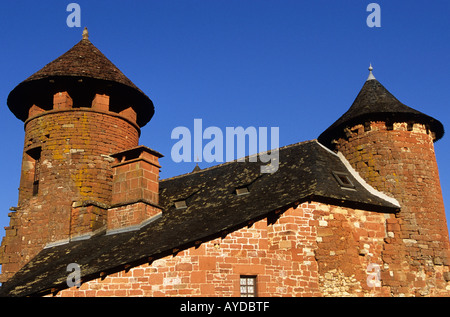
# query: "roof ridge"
[[235, 161]]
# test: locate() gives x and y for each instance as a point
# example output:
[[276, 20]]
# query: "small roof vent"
[[242, 190], [181, 204]]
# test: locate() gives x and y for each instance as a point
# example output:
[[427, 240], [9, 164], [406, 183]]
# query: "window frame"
[[254, 284]]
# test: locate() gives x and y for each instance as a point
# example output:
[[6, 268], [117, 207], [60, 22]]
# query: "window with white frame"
[[248, 286]]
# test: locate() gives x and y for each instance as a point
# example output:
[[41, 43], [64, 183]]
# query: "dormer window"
[[343, 180]]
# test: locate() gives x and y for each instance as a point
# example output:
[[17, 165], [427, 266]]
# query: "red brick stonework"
[[281, 256], [312, 250], [400, 160], [71, 148]]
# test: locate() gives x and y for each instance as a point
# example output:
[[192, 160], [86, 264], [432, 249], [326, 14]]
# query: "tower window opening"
[[37, 172], [35, 155]]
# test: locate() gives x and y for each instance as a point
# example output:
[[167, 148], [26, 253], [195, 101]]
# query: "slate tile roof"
[[213, 209], [83, 60]]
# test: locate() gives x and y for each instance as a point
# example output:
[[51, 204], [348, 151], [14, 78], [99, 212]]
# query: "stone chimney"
[[135, 193]]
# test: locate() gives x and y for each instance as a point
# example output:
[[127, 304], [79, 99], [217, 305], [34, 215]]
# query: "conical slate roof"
[[375, 102], [83, 71]]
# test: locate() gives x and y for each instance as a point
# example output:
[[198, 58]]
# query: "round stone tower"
[[77, 111], [391, 146]]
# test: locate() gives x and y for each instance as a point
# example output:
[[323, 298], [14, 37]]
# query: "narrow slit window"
[[37, 174], [248, 286], [343, 180], [35, 155]]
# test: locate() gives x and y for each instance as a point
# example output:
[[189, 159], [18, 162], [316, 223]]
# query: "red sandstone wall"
[[74, 148], [401, 162], [74, 167], [313, 250], [280, 255]]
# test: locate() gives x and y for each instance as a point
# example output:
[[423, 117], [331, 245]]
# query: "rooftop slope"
[[305, 173]]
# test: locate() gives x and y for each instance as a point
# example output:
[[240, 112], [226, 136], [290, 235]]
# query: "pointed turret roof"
[[374, 102], [83, 69], [83, 60]]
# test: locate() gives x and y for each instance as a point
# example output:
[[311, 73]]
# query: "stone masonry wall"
[[312, 250], [71, 148], [399, 160]]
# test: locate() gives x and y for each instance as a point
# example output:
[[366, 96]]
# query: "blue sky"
[[297, 65]]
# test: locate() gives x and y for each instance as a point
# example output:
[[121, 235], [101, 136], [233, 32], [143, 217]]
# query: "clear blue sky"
[[297, 65]]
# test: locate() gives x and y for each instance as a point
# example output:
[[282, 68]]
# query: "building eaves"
[[213, 209]]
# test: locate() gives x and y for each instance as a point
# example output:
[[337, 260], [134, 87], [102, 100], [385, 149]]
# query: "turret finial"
[[371, 76], [85, 34]]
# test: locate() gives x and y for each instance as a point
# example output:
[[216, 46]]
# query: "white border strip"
[[371, 190], [356, 175]]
